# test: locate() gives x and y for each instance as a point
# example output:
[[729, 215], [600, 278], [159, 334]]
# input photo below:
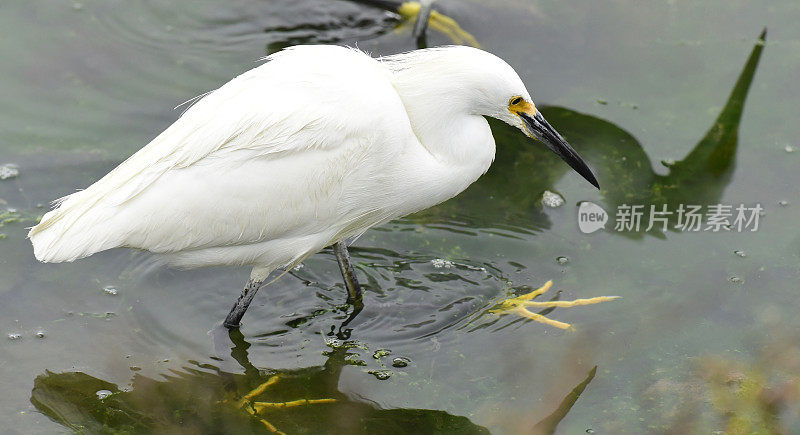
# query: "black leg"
[[421, 26], [238, 310], [350, 281]]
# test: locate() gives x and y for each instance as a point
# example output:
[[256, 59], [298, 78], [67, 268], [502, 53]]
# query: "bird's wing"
[[307, 102]]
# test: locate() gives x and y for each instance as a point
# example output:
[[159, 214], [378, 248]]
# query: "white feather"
[[318, 144]]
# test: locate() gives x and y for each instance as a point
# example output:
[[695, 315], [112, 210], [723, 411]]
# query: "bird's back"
[[287, 151]]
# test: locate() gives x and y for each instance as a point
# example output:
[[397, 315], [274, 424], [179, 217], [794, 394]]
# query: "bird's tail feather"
[[76, 228]]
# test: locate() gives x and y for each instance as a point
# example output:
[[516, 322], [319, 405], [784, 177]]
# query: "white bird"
[[308, 150]]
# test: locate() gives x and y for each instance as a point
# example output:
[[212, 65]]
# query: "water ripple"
[[212, 26]]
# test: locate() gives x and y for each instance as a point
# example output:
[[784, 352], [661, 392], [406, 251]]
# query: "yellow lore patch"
[[518, 105]]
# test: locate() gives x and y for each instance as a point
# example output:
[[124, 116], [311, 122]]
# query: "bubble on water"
[[9, 170], [740, 253], [354, 360], [110, 290], [40, 334], [382, 375], [135, 368], [333, 342], [590, 430], [735, 280], [39, 205], [401, 361], [102, 394], [788, 149], [77, 6], [14, 336], [552, 199], [783, 203], [380, 353], [441, 263], [562, 260]]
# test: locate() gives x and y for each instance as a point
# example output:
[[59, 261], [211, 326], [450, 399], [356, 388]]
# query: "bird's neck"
[[462, 150], [443, 110], [452, 135]]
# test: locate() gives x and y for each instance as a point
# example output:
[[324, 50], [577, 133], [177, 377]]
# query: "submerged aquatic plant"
[[732, 396]]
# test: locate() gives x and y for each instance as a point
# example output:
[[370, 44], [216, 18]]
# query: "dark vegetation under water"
[[204, 399]]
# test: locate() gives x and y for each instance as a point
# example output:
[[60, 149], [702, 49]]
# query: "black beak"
[[541, 129]]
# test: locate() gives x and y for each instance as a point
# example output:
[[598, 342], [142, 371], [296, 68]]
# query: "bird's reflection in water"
[[621, 165], [362, 20], [202, 398]]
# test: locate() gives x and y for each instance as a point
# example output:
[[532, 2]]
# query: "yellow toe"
[[258, 390], [265, 406], [520, 305]]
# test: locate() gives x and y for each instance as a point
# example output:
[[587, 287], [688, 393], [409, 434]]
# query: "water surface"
[[85, 85]]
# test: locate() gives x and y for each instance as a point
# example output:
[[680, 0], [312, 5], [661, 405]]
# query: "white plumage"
[[316, 145]]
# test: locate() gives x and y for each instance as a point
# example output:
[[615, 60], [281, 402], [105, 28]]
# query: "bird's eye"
[[516, 100]]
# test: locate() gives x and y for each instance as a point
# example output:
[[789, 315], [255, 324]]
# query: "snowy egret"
[[308, 150]]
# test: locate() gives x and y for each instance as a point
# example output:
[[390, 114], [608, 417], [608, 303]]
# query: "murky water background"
[[84, 85]]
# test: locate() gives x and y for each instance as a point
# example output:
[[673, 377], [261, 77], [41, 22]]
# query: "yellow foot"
[[266, 406], [247, 398], [255, 408], [438, 22], [520, 304]]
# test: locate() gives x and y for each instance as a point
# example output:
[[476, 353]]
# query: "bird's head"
[[498, 92], [464, 80], [524, 115]]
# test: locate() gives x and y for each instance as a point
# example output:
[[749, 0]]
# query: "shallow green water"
[[630, 84]]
